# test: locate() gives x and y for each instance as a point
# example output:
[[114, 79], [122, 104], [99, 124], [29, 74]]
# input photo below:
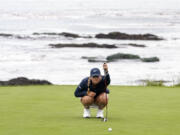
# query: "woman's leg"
[[101, 100], [87, 101]]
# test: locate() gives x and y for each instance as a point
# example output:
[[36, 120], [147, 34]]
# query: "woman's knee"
[[87, 100], [102, 99]]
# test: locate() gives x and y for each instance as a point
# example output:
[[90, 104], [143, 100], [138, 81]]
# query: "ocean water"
[[30, 55]]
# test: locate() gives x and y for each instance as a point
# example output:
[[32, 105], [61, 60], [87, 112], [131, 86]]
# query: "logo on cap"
[[95, 72]]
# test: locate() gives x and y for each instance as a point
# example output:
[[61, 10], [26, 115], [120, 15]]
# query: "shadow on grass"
[[109, 119]]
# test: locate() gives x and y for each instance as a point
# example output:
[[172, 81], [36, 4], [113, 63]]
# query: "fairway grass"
[[53, 110]]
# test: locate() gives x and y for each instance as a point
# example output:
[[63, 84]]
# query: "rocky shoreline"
[[135, 45], [110, 35], [94, 45], [65, 34], [124, 36], [22, 81], [121, 56], [85, 45]]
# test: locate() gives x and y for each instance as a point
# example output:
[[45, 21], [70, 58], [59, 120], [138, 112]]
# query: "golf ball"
[[109, 129]]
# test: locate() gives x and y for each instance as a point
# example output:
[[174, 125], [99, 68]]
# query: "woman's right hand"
[[91, 94]]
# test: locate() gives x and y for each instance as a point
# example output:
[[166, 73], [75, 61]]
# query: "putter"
[[105, 118]]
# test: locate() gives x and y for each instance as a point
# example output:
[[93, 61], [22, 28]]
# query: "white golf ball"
[[109, 129]]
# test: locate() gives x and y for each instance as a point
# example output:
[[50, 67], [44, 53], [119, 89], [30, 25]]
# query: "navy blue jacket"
[[82, 88]]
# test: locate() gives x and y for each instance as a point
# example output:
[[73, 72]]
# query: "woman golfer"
[[93, 91]]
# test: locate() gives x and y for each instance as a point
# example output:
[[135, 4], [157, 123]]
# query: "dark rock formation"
[[151, 59], [86, 45], [15, 36], [5, 35], [59, 34], [124, 36], [85, 57], [65, 34], [121, 56], [94, 59], [24, 81], [135, 45]]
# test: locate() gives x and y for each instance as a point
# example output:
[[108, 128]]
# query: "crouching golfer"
[[93, 91]]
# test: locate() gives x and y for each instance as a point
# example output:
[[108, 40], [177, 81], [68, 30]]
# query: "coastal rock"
[[94, 59], [151, 59], [65, 34], [135, 45], [121, 56], [124, 36], [24, 81], [85, 45], [86, 57], [5, 35]]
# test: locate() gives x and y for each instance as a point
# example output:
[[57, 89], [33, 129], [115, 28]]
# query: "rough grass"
[[53, 110], [154, 83]]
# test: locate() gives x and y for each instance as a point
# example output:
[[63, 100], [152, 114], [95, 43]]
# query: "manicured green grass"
[[53, 110]]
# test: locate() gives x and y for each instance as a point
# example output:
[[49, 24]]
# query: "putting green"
[[53, 110]]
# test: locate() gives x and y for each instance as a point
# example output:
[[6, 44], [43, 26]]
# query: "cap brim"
[[93, 75]]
